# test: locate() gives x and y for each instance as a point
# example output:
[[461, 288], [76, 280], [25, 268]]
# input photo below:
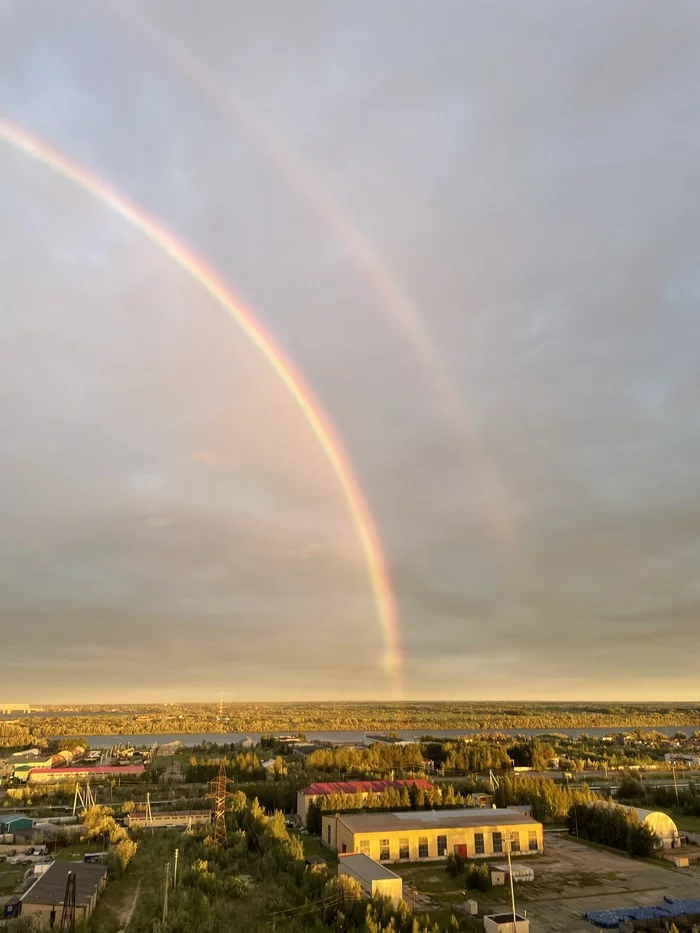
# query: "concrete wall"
[[520, 926]]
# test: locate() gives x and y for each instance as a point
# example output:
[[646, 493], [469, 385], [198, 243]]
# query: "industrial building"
[[45, 897], [100, 773], [170, 820], [372, 877], [432, 834], [13, 822], [324, 789], [659, 823], [23, 762]]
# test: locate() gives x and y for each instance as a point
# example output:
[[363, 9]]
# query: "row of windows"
[[424, 846]]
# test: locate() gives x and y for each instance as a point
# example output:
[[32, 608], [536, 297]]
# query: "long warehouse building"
[[433, 834]]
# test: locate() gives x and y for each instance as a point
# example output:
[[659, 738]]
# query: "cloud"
[[207, 457], [160, 521]]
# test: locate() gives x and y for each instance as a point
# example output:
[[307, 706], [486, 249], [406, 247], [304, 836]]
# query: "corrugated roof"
[[432, 819], [365, 867], [51, 886], [9, 817], [320, 789]]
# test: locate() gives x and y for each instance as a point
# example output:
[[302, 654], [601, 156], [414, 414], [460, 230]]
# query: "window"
[[384, 851], [404, 850], [497, 840], [422, 847], [442, 846], [515, 841], [532, 841], [479, 844], [364, 846]]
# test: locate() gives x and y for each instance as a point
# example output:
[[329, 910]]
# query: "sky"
[[473, 228]]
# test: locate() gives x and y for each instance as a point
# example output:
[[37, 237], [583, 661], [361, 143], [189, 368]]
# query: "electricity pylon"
[[68, 912], [219, 793]]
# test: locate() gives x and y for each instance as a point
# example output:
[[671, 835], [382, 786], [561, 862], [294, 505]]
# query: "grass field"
[[314, 846], [9, 877], [75, 853]]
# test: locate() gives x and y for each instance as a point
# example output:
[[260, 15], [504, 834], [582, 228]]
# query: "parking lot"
[[573, 878]]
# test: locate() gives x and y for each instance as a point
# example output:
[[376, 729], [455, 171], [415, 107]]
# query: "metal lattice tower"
[[68, 912], [219, 793]]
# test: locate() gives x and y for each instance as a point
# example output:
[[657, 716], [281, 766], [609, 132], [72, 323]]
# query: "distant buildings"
[[167, 820], [316, 791], [432, 834], [48, 775]]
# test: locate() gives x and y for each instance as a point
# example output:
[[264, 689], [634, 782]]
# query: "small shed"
[[503, 923], [12, 822], [498, 876], [518, 872], [373, 877], [315, 863]]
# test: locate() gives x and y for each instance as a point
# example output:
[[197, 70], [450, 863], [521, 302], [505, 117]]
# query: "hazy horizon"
[[471, 229]]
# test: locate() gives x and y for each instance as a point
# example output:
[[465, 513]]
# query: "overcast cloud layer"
[[517, 182]]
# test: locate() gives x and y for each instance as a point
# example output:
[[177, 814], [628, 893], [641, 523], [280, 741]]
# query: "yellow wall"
[[341, 835]]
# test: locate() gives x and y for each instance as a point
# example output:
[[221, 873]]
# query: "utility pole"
[[675, 784], [177, 856], [149, 814], [512, 885], [165, 893]]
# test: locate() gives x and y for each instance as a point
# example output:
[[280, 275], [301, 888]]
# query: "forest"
[[361, 717]]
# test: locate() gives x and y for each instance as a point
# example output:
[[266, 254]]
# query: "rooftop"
[[352, 787], [433, 819], [100, 769], [366, 867], [9, 817], [51, 886]]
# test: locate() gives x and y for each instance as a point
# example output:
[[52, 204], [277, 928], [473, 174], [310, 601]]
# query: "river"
[[189, 739]]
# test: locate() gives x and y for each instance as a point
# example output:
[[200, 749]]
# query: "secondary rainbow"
[[293, 381]]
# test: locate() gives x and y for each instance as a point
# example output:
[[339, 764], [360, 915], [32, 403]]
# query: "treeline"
[[632, 790], [362, 717], [456, 755], [550, 802], [376, 760], [245, 766], [408, 798], [614, 826]]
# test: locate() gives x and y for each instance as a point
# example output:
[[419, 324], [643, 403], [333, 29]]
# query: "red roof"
[[352, 787], [101, 769]]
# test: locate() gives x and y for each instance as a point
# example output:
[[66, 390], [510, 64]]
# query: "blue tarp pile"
[[672, 907]]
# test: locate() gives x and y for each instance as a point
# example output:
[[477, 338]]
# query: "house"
[[389, 740], [372, 877], [13, 822], [100, 773], [326, 788], [44, 899], [248, 743], [432, 834], [269, 766]]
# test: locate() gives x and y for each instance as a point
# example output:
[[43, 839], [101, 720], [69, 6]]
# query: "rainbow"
[[293, 381], [392, 296]]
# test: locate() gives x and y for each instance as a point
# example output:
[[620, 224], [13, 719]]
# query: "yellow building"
[[431, 834]]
